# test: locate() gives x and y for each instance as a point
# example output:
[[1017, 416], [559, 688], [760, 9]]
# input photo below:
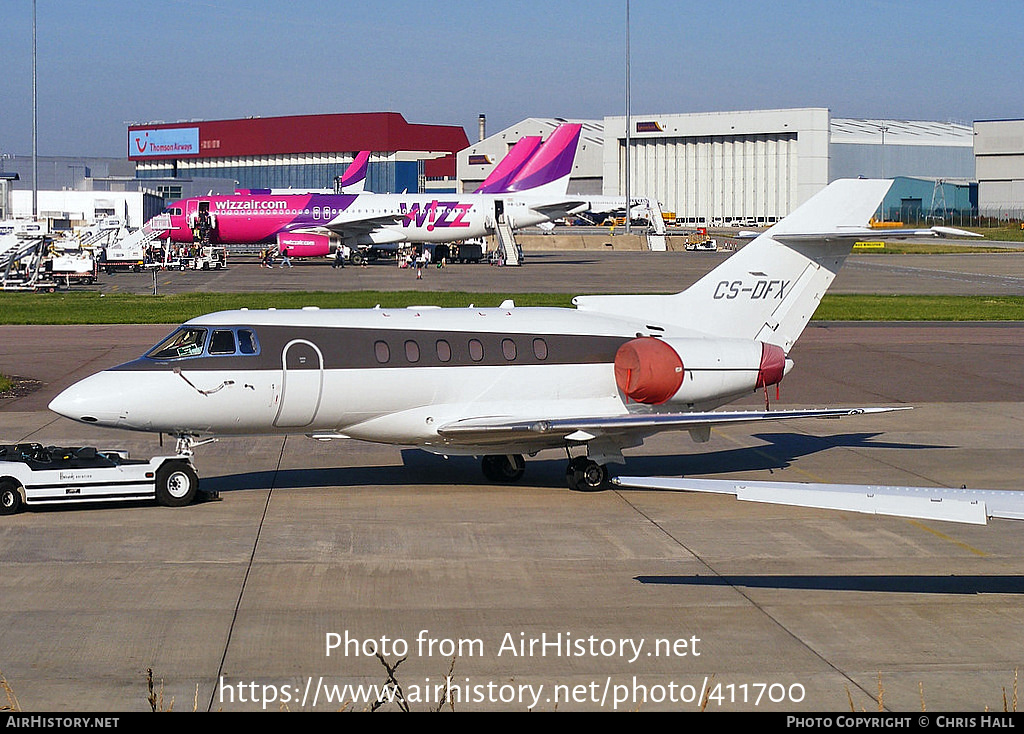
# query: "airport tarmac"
[[696, 601], [585, 271]]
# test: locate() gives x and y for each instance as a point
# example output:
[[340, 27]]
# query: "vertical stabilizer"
[[769, 289], [548, 171], [510, 166]]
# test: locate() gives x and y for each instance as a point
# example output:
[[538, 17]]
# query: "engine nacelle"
[[303, 245], [654, 371]]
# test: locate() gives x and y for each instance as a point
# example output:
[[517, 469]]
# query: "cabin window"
[[247, 341], [182, 343], [476, 350], [444, 351], [382, 352], [540, 348], [412, 351], [508, 348], [222, 342]]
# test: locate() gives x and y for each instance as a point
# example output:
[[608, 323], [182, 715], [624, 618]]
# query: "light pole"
[[35, 159], [627, 118]]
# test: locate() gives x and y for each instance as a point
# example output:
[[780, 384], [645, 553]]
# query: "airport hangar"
[[752, 167], [300, 151], [170, 161]]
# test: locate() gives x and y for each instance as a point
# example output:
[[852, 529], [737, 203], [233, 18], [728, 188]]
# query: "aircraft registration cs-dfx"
[[507, 381]]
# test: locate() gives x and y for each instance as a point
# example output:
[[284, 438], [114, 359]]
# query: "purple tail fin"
[[509, 166], [355, 174], [553, 162]]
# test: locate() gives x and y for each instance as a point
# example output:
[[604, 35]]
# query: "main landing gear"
[[585, 475], [503, 467], [581, 474]]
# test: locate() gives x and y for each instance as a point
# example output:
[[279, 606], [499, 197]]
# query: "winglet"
[[354, 179]]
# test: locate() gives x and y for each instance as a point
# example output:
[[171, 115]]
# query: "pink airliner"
[[529, 189]]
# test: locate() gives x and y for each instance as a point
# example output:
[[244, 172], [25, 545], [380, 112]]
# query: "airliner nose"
[[92, 400]]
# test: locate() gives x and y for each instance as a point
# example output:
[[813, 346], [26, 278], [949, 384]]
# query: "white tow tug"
[[36, 475]]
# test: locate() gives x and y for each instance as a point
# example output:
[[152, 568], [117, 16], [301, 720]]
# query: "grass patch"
[[94, 308], [1010, 233], [6, 384], [933, 248], [841, 307], [124, 308]]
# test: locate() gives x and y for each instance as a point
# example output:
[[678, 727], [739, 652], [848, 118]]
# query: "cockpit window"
[[222, 342], [195, 341], [182, 343], [247, 341]]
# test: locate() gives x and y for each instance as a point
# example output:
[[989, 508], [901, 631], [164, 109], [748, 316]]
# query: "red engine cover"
[[773, 365], [304, 245], [648, 370]]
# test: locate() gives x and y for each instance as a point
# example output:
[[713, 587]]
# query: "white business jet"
[[507, 381]]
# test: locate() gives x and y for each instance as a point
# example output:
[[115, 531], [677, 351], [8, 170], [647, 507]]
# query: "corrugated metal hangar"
[[749, 166], [299, 151], [999, 151]]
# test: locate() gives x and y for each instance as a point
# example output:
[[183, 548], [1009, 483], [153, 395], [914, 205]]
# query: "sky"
[[104, 63]]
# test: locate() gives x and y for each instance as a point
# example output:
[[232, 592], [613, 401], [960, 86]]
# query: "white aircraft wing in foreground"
[[972, 506]]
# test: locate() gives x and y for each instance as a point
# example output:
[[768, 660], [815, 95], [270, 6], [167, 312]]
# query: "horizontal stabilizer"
[[972, 506]]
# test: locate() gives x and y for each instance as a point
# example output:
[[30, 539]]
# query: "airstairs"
[[656, 241], [125, 248], [21, 263], [508, 248]]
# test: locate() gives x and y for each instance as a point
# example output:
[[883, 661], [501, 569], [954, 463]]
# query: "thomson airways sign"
[[163, 143]]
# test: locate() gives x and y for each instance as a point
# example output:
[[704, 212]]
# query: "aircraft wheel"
[[10, 498], [357, 259], [584, 475], [176, 484], [503, 468]]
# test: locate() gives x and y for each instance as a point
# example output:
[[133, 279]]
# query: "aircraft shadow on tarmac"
[[423, 468], [911, 584]]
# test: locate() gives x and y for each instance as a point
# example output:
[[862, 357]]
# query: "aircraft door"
[[191, 214], [302, 382]]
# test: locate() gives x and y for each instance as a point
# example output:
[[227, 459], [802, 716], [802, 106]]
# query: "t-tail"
[[770, 288], [548, 170], [353, 181], [510, 166]]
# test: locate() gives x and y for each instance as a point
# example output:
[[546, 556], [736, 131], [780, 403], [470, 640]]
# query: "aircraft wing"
[[556, 209], [503, 429], [875, 234], [356, 226], [973, 506]]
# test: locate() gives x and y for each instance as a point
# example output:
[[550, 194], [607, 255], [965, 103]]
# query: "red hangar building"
[[301, 151]]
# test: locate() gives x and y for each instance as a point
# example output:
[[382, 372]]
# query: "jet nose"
[[92, 400]]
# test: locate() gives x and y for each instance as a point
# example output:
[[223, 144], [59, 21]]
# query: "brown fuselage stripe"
[[354, 348]]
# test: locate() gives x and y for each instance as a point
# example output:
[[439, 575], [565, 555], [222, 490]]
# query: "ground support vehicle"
[[36, 475], [72, 266], [210, 257]]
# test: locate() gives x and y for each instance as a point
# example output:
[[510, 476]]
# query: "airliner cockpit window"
[[182, 343]]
